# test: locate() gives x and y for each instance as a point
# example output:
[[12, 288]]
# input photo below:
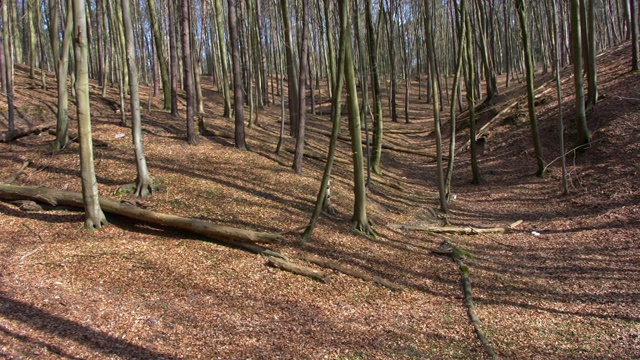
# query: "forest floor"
[[563, 285]]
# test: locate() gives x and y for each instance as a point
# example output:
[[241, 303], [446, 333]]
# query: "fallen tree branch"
[[458, 230], [329, 264], [457, 254], [15, 176], [225, 234], [297, 269], [8, 136]]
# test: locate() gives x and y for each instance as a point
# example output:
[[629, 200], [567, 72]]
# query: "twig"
[[15, 176], [33, 232]]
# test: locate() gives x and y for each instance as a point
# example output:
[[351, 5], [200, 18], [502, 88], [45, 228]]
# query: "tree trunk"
[[528, 62], [173, 54], [302, 104], [192, 134], [377, 100], [238, 97], [162, 61], [336, 114], [94, 217], [291, 72], [144, 186], [436, 107], [584, 137], [359, 221], [635, 63], [8, 66], [225, 234]]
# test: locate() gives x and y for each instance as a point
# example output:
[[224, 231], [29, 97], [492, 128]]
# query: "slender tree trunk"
[[173, 54], [470, 85], [528, 62], [94, 217], [336, 110], [592, 79], [377, 96], [291, 73], [556, 37], [635, 63], [8, 63], [238, 100], [584, 137], [436, 107], [192, 133], [162, 61], [359, 221], [302, 104], [392, 58], [330, 46], [144, 186], [62, 123]]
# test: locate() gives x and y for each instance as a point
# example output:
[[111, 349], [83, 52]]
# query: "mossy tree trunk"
[[359, 221], [376, 156]]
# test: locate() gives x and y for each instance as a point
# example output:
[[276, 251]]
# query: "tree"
[[173, 54], [62, 68], [359, 221], [635, 64], [144, 186], [592, 73], [391, 18], [528, 62], [302, 107], [336, 110], [377, 96], [556, 39], [584, 136], [162, 61], [187, 64], [436, 106], [8, 65], [238, 97], [291, 71], [94, 217], [222, 45], [470, 85]]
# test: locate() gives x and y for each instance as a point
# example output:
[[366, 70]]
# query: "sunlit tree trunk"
[[302, 105], [62, 123], [436, 106], [173, 54], [635, 63], [143, 181], [192, 134], [94, 217], [377, 96], [291, 68], [359, 221], [162, 61], [8, 65]]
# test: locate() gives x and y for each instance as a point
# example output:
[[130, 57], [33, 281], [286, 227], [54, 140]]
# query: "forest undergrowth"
[[563, 284]]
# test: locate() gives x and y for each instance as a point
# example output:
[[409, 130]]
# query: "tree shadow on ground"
[[57, 326]]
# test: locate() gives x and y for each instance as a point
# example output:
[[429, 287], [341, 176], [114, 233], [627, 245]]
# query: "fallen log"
[[458, 230], [8, 136], [329, 264], [297, 269], [457, 254], [224, 234]]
